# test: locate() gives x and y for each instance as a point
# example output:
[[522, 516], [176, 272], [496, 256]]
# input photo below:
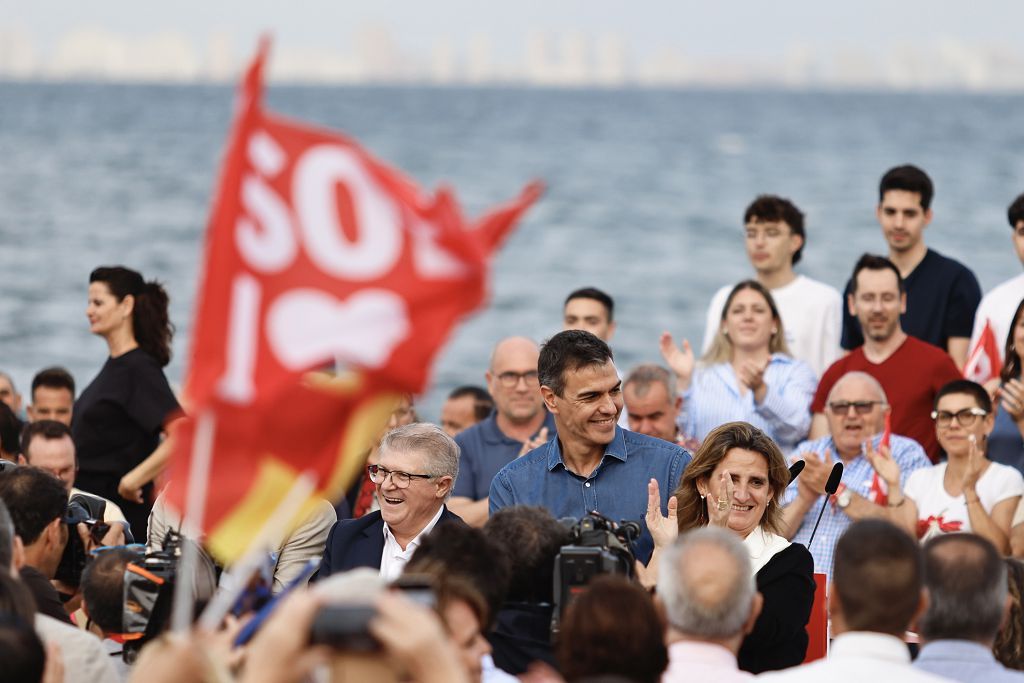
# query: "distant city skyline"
[[912, 45]]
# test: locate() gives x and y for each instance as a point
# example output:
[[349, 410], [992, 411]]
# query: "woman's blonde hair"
[[720, 350], [714, 448]]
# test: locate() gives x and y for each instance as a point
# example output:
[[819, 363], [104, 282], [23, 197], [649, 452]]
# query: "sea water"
[[646, 193]]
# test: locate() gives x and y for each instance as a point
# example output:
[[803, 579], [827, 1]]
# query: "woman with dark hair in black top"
[[120, 417]]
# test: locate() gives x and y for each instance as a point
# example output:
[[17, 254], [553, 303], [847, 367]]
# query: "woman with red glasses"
[[968, 492]]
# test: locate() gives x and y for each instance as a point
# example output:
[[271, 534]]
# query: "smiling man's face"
[[589, 407], [408, 510]]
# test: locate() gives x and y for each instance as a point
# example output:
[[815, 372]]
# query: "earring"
[[774, 331]]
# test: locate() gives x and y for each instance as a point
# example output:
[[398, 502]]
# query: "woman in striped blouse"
[[747, 373]]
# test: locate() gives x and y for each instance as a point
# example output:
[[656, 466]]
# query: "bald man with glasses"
[[418, 465], [519, 423], [856, 411]]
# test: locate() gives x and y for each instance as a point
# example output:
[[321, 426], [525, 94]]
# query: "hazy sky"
[[723, 29]]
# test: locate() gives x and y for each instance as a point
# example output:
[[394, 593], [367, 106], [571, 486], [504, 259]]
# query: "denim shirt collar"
[[615, 449]]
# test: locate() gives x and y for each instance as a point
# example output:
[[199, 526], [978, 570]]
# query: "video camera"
[[149, 585], [597, 545]]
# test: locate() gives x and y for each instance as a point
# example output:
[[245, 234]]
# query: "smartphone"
[[347, 627], [344, 627]]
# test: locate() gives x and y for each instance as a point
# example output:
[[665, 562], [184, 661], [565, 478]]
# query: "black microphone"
[[795, 469], [830, 488]]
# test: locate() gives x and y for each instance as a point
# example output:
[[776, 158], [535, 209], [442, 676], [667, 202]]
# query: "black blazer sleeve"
[[779, 638]]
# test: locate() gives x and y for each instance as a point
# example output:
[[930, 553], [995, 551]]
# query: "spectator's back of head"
[[103, 588], [531, 538], [34, 499], [612, 628], [467, 552], [877, 579], [966, 581], [1009, 646], [707, 586], [22, 656]]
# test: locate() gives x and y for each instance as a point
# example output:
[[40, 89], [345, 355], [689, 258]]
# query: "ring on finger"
[[723, 505]]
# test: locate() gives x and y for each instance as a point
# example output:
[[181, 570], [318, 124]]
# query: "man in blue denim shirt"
[[968, 601], [593, 464]]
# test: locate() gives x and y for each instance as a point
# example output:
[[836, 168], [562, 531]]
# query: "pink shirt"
[[690, 660]]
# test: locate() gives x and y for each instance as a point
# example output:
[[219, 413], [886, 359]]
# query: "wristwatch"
[[843, 498]]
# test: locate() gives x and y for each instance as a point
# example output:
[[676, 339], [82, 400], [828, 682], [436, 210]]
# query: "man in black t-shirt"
[[942, 294]]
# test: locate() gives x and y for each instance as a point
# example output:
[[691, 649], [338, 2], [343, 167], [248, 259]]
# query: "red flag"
[[984, 361], [878, 492], [318, 254]]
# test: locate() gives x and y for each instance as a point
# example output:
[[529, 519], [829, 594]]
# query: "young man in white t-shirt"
[[811, 311], [1000, 303]]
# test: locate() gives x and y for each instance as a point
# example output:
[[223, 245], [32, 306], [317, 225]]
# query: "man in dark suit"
[[414, 477]]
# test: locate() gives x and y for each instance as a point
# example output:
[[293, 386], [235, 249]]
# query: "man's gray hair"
[[643, 376], [859, 374], [441, 451], [693, 605]]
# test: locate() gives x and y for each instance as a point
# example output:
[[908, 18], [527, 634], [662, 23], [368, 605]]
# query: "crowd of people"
[[571, 520]]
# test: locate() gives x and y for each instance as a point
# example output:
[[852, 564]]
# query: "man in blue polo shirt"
[[518, 424], [593, 464]]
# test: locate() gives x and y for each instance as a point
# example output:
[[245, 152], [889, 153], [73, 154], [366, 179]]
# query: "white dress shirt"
[[394, 559], [859, 657]]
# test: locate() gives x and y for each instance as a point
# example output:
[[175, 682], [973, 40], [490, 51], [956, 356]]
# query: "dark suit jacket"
[[359, 542], [779, 638]]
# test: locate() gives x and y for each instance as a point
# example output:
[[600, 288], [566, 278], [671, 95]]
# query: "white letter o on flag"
[[378, 243]]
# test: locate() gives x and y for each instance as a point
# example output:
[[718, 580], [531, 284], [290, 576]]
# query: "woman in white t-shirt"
[[968, 492]]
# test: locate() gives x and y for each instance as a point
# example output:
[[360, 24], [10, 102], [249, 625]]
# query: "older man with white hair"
[[707, 587], [417, 467], [856, 410]]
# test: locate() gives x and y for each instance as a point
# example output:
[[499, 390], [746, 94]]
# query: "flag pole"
[[195, 507], [270, 535]]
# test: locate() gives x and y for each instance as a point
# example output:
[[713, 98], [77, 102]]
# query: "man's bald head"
[[512, 379], [511, 348], [862, 383], [707, 586]]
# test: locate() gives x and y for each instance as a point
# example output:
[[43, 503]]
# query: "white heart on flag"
[[307, 327]]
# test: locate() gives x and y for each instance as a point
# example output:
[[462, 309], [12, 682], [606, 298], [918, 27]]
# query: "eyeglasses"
[[511, 379], [841, 408], [400, 479], [965, 417]]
